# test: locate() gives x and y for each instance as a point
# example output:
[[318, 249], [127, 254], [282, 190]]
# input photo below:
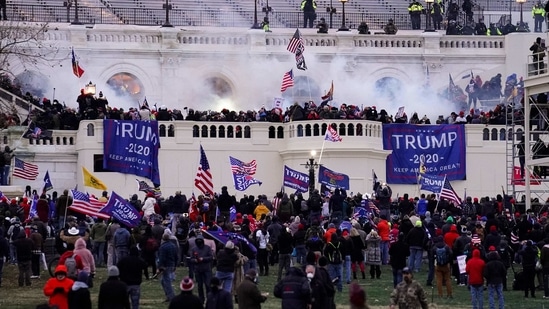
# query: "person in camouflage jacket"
[[408, 294]]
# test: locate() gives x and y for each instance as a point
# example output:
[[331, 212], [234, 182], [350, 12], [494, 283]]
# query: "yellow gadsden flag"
[[92, 181]]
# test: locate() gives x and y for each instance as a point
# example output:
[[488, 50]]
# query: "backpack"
[[335, 257], [442, 256], [15, 232], [151, 245], [70, 263]]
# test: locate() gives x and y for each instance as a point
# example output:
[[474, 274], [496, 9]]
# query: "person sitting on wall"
[[322, 26], [390, 27], [363, 28]]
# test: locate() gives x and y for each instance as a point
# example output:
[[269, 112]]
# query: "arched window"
[[247, 132], [90, 129], [485, 134], [351, 129], [162, 130], [127, 85], [316, 130], [502, 134], [204, 131], [280, 132], [230, 132], [58, 140], [64, 141], [196, 132], [359, 129], [494, 135], [171, 130], [272, 132], [238, 131], [342, 128], [222, 131], [213, 131], [324, 128], [71, 140], [299, 130], [308, 130]]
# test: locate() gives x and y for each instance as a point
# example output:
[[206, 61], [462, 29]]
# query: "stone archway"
[[219, 87], [388, 87], [304, 89], [127, 85]]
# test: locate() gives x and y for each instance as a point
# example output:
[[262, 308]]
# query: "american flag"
[[330, 95], [449, 193], [83, 204], [296, 42], [331, 135], [203, 180], [25, 170], [240, 168], [287, 81]]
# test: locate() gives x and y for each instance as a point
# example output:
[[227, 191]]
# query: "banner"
[[121, 210], [431, 183], [440, 147], [333, 179], [520, 181], [131, 147], [296, 180]]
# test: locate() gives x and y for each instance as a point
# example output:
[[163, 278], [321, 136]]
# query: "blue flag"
[[33, 212], [242, 174], [333, 179], [223, 237], [47, 182], [296, 180], [360, 212], [131, 147], [431, 183], [121, 210], [232, 214]]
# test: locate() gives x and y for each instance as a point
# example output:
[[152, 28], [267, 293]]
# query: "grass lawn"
[[378, 291]]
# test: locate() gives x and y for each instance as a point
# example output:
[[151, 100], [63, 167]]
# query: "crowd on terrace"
[[57, 116]]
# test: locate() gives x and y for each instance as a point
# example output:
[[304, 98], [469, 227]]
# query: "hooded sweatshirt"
[[85, 255], [58, 290], [475, 268]]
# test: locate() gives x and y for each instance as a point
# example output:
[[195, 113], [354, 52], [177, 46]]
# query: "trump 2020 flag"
[[33, 212], [121, 210], [131, 147], [242, 174], [431, 183]]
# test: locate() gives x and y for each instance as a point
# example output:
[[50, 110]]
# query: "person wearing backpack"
[[334, 252], [442, 254], [71, 261]]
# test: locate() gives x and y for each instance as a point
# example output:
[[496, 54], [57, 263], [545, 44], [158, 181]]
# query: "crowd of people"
[[316, 245]]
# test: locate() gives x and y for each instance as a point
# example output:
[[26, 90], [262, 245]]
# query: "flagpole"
[[309, 86], [436, 207], [321, 151]]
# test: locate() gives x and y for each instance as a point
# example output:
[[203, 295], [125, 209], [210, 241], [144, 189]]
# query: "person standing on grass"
[[113, 293], [474, 269], [226, 260], [494, 273], [4, 252], [58, 287], [398, 253], [409, 293], [249, 296], [24, 247], [79, 294], [218, 298], [131, 272], [167, 261], [97, 235]]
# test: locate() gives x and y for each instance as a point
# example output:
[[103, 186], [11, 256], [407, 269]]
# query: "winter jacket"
[[294, 290], [475, 269], [121, 238], [131, 269], [373, 251], [79, 296], [58, 290], [226, 260], [398, 253], [494, 271], [113, 294], [205, 253], [451, 236], [98, 232], [88, 262], [148, 207], [167, 255], [219, 299], [416, 237], [186, 300]]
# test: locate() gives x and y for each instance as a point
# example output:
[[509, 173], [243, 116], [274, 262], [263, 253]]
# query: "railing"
[[205, 18], [17, 101]]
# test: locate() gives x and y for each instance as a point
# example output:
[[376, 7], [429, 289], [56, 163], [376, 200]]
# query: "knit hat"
[[186, 284], [113, 271], [229, 245], [82, 277], [450, 219], [492, 248], [357, 295], [493, 228], [475, 240]]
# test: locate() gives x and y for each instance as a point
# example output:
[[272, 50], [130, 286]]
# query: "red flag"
[[76, 69]]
